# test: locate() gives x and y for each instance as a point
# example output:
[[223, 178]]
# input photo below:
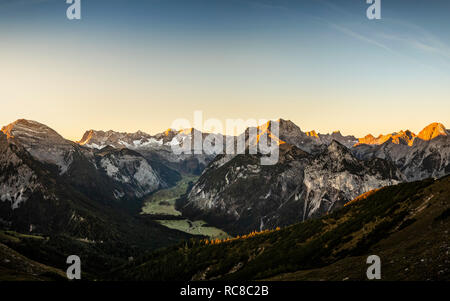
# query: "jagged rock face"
[[17, 180], [427, 159], [131, 169], [138, 140], [290, 133], [156, 148], [403, 137], [310, 142], [335, 176], [24, 196], [347, 141], [407, 137], [240, 195], [418, 157], [101, 139]]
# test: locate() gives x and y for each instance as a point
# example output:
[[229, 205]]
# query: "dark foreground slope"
[[15, 267], [406, 225]]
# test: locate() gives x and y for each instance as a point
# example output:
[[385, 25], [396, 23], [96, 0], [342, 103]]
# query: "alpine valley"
[[132, 209]]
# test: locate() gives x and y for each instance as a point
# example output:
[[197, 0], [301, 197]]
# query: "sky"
[[131, 65]]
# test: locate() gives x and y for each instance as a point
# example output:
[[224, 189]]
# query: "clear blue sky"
[[133, 65]]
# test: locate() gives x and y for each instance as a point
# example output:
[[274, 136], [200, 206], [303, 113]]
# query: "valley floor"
[[162, 204]]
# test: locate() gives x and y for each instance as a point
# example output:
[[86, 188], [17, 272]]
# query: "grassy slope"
[[16, 267], [403, 224]]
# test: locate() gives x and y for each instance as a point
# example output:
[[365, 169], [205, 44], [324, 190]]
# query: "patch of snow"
[[94, 145]]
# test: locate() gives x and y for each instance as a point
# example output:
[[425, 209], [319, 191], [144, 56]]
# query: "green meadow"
[[162, 203], [194, 228]]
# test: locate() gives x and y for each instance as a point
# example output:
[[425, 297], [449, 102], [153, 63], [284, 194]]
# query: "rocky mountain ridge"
[[315, 173], [126, 173], [237, 193]]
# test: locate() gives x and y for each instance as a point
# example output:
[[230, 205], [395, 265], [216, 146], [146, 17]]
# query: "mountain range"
[[315, 174]]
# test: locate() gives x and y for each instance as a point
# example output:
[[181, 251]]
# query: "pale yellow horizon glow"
[[99, 87]]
